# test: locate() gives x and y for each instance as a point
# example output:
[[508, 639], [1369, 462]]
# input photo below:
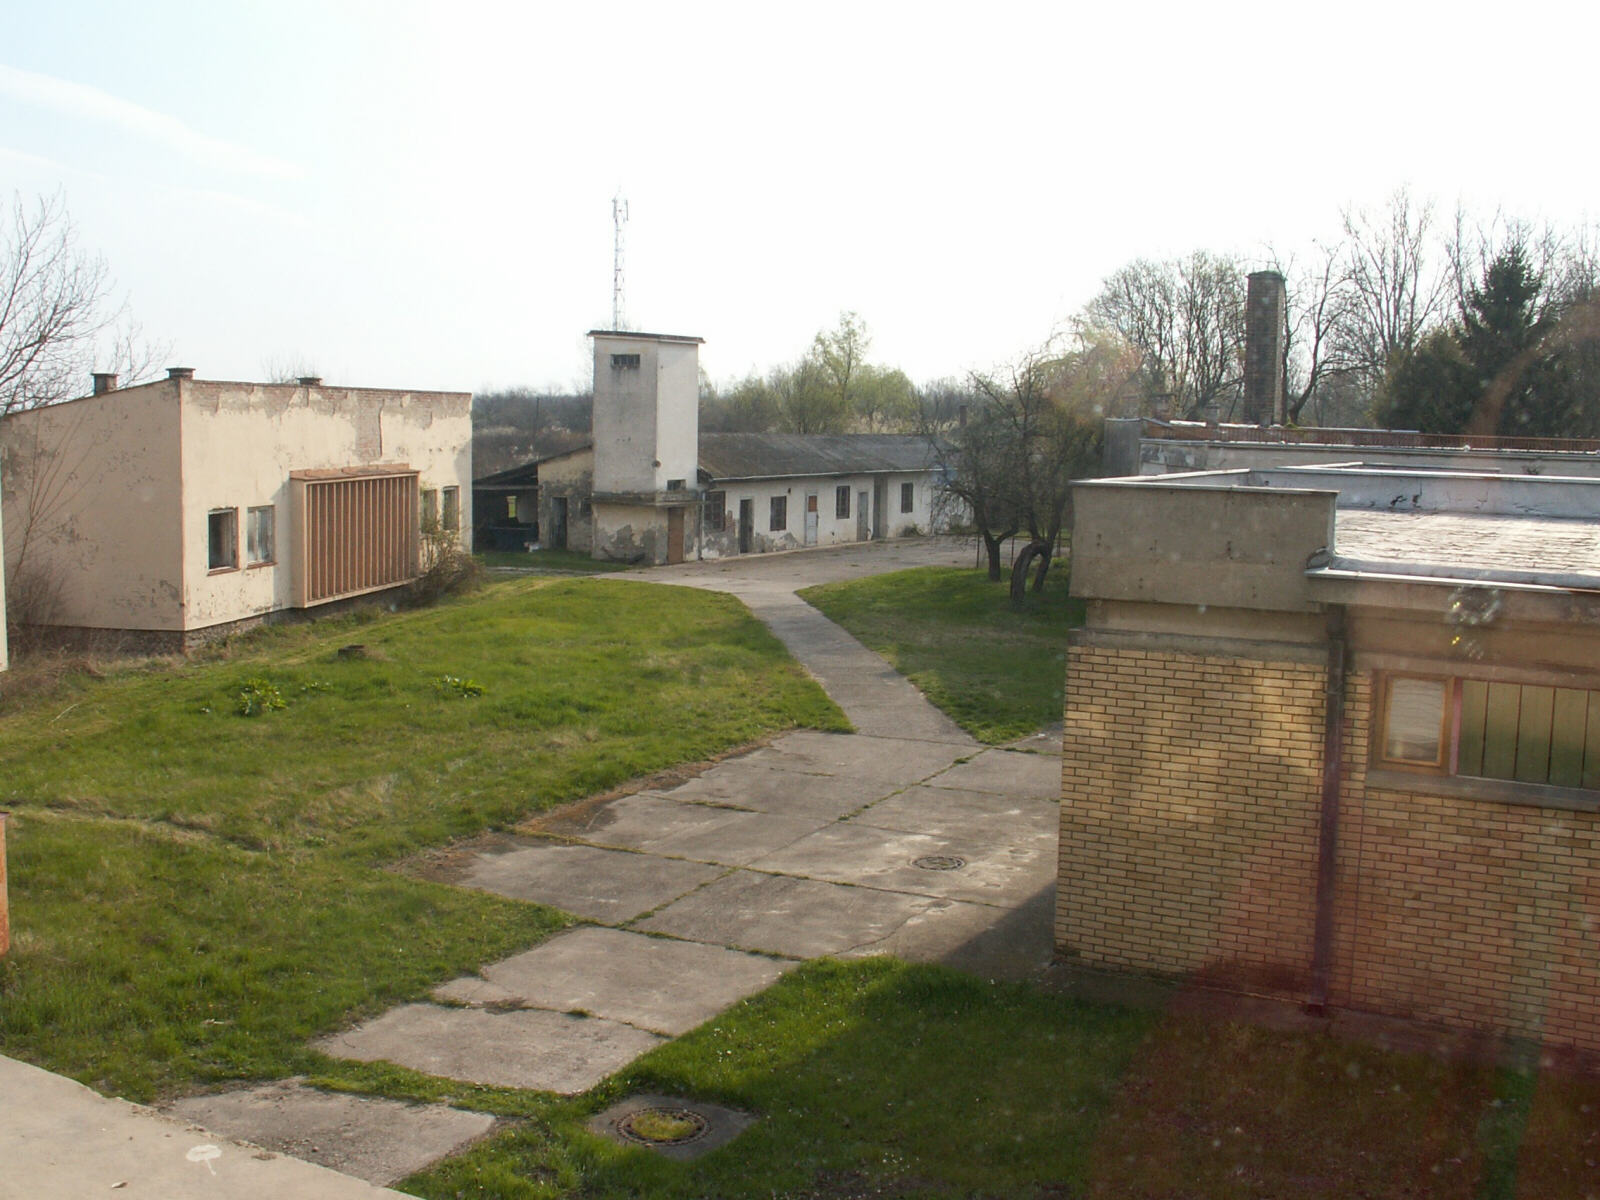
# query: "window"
[[908, 497], [260, 535], [675, 485], [1527, 733], [716, 511], [430, 507], [452, 510], [222, 539], [511, 508], [841, 501], [624, 362], [780, 514]]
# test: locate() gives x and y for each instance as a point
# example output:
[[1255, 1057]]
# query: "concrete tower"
[[646, 444]]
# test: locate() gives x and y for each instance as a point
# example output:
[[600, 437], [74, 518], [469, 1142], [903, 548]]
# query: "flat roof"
[[1563, 551], [634, 335]]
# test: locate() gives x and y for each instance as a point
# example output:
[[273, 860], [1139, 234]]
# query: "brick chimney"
[[1265, 305], [310, 381], [104, 381], [180, 372]]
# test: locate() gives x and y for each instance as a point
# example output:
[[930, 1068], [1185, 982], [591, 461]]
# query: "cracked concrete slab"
[[378, 1140], [780, 914], [1010, 944], [525, 1048], [763, 787], [658, 984], [610, 886], [998, 869], [656, 824], [955, 813], [890, 761], [1006, 772]]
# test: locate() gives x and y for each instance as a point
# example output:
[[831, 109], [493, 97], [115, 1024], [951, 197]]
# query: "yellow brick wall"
[[1190, 794], [1190, 790], [1469, 912]]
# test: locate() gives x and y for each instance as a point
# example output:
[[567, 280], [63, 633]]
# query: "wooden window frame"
[[1448, 731], [233, 563], [908, 498], [450, 509], [271, 560], [717, 511], [841, 502], [778, 514]]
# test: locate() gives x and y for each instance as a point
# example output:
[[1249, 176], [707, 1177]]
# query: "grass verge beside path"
[[881, 1079], [570, 561], [995, 669], [195, 892]]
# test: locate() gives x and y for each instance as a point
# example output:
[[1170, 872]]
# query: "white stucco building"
[[652, 489], [175, 511]]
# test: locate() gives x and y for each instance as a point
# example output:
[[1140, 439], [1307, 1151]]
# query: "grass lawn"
[[995, 669], [882, 1079], [547, 560], [195, 892]]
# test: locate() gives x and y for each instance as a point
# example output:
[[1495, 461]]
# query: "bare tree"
[[1186, 318], [56, 314], [1397, 289], [1316, 343]]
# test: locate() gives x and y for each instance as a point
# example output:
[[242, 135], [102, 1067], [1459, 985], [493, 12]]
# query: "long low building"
[[651, 488]]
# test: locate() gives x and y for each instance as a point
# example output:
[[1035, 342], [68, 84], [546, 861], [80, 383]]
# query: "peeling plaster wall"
[[832, 530], [569, 477], [91, 506], [240, 441], [634, 533]]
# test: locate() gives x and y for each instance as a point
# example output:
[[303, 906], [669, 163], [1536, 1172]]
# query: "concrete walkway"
[[58, 1139], [906, 837]]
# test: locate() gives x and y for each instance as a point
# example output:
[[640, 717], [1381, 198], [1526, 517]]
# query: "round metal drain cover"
[[663, 1126], [939, 862]]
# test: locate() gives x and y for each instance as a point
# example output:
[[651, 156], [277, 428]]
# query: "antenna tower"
[[619, 218]]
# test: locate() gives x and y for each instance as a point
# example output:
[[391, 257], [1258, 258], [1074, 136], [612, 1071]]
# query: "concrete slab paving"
[[658, 984], [370, 1138], [738, 838], [59, 1139], [631, 821], [890, 761], [658, 824], [998, 869], [957, 813], [1007, 772], [780, 914], [524, 1048], [611, 886], [770, 787], [1014, 943]]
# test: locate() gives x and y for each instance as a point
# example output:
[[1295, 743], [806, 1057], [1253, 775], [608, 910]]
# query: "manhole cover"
[[939, 862], [663, 1126]]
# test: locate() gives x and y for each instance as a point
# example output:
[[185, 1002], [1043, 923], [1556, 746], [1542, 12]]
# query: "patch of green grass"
[[881, 1079], [195, 892], [547, 560], [996, 669]]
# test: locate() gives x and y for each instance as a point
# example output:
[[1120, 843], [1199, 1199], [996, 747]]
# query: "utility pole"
[[619, 218]]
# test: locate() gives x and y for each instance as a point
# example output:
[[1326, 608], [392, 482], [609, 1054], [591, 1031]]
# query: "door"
[[863, 517], [811, 518], [674, 535], [747, 517], [880, 508], [558, 523]]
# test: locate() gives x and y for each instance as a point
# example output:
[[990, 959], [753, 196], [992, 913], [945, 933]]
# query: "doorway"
[[747, 518], [558, 523], [674, 535], [811, 518], [863, 517]]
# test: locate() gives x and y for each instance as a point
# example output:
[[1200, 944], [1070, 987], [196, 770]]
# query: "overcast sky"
[[419, 194]]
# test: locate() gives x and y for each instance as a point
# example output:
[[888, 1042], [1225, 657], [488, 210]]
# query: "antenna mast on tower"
[[619, 218]]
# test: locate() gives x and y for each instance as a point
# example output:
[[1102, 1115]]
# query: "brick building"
[[1333, 733]]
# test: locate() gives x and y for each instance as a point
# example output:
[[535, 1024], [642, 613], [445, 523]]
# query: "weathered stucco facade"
[[1243, 797], [180, 508]]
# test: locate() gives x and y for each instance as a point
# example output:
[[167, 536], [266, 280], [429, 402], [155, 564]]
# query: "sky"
[[412, 194]]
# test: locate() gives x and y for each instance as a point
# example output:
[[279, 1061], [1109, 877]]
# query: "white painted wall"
[[832, 530], [91, 506], [120, 487], [646, 418], [240, 441]]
